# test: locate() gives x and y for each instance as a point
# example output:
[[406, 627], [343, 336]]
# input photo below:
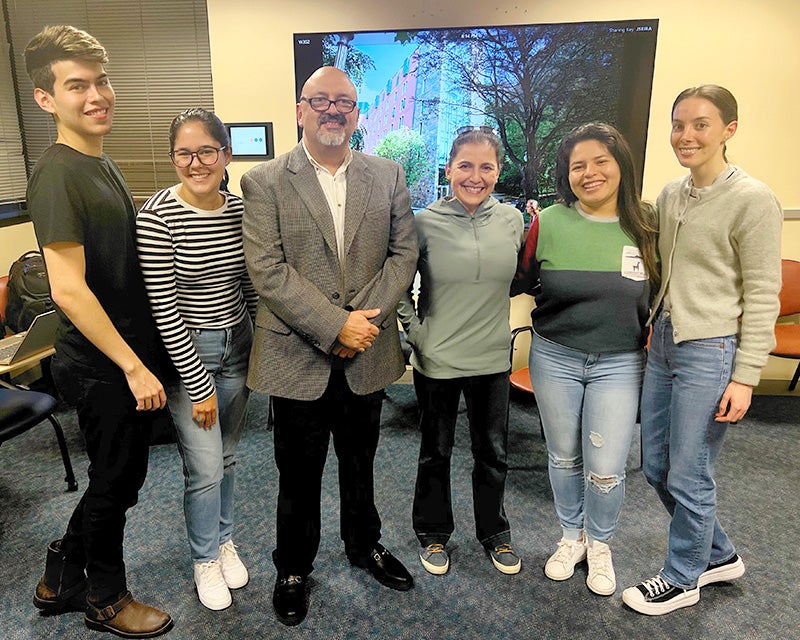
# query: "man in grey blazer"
[[330, 244]]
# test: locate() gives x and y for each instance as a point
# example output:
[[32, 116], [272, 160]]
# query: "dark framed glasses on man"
[[318, 103]]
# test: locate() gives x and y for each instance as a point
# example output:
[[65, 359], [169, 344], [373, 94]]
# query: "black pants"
[[117, 443], [302, 432], [487, 412]]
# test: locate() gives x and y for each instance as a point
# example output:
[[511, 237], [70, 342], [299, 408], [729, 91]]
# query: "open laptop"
[[39, 337]]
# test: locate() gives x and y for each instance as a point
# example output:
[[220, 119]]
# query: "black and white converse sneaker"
[[656, 597], [722, 572]]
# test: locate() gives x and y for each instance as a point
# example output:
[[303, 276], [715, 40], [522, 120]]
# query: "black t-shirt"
[[73, 197]]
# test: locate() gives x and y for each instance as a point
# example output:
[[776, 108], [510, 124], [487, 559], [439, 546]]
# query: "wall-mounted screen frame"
[[251, 140], [530, 83]]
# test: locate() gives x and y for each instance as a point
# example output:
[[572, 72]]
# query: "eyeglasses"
[[182, 158], [318, 103]]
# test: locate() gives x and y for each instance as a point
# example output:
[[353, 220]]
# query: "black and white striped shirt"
[[194, 272]]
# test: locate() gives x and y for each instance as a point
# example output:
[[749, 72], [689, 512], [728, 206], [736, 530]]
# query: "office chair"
[[3, 303], [787, 336], [21, 410], [521, 378]]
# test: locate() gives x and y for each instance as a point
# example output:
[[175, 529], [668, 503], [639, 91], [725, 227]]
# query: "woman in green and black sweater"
[[592, 258]]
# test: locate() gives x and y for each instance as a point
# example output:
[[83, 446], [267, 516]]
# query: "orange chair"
[[521, 378], [787, 336], [3, 301]]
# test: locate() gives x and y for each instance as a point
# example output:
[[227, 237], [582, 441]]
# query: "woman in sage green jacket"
[[460, 336]]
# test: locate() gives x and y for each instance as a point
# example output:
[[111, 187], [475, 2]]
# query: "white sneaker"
[[601, 579], [233, 570], [561, 565], [211, 587], [723, 572]]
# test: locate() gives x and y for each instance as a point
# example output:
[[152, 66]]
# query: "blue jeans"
[[588, 404], [486, 397], [683, 385], [209, 456]]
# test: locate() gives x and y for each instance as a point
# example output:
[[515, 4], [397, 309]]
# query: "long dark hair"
[[636, 218]]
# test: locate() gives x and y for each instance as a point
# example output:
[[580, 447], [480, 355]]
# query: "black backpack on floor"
[[28, 291]]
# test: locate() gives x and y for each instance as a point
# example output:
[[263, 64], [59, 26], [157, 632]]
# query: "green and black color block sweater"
[[593, 293]]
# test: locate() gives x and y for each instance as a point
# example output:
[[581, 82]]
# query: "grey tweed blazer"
[[305, 294]]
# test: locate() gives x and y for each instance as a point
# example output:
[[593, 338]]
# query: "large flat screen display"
[[531, 84]]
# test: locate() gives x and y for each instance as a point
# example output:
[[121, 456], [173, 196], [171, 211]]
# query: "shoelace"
[[292, 580], [211, 573], [503, 548], [228, 549], [656, 586], [565, 550], [435, 548], [601, 560]]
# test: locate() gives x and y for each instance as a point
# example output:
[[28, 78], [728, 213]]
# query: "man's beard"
[[331, 138]]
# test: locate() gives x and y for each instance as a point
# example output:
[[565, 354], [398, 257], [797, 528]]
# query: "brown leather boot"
[[63, 586], [128, 618]]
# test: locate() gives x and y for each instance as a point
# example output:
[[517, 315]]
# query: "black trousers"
[[302, 432], [117, 443], [487, 410]]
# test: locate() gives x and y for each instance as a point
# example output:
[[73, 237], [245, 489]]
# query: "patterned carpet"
[[758, 476]]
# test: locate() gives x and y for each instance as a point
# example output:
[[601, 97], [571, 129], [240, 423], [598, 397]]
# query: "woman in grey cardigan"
[[460, 336], [713, 325]]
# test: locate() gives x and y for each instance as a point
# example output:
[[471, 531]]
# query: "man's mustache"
[[332, 117]]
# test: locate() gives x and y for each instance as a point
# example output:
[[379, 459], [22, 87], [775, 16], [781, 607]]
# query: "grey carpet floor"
[[758, 478]]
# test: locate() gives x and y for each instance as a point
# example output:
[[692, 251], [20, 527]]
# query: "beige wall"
[[14, 241]]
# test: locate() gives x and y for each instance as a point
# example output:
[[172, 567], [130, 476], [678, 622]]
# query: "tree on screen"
[[539, 81], [357, 62], [408, 149]]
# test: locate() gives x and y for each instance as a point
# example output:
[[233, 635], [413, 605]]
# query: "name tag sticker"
[[632, 264]]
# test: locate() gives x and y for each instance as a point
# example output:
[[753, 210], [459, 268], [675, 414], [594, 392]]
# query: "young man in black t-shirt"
[[108, 355]]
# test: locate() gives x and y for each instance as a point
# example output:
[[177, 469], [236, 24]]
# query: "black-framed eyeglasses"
[[182, 158], [318, 103]]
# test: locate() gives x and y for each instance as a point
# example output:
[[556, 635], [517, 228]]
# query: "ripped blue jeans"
[[588, 404]]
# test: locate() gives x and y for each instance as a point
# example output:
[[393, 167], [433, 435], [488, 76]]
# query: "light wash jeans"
[[209, 456], [588, 404], [683, 385]]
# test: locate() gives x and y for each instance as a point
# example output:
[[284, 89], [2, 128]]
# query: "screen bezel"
[[636, 82], [270, 142]]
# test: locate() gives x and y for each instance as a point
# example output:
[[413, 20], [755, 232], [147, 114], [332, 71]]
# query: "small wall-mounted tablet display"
[[251, 140]]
